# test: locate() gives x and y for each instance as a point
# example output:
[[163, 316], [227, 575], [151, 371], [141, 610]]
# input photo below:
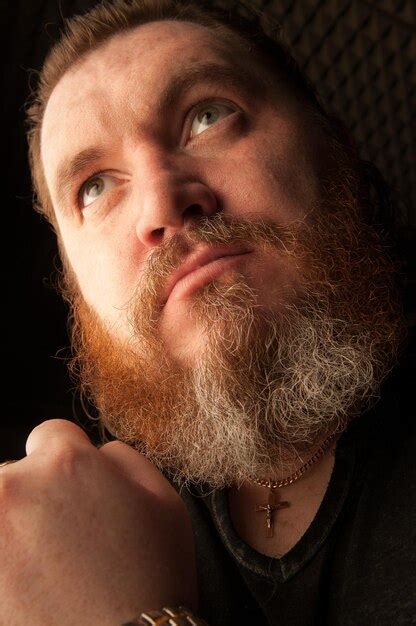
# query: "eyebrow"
[[72, 166], [237, 78]]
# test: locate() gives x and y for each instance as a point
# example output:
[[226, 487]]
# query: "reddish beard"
[[268, 385]]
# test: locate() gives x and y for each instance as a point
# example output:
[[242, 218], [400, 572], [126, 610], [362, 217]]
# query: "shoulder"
[[375, 555]]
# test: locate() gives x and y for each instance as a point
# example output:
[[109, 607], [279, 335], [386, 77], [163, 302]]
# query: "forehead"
[[141, 55], [122, 79]]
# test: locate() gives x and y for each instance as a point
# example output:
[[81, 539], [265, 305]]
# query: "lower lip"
[[203, 276]]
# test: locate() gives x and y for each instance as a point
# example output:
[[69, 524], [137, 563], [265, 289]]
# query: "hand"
[[89, 537]]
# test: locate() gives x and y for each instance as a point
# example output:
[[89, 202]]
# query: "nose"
[[169, 205]]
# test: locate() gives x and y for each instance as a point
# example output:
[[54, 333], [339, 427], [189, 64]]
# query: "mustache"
[[216, 230]]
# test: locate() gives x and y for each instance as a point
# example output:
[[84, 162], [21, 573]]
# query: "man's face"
[[237, 152], [230, 308]]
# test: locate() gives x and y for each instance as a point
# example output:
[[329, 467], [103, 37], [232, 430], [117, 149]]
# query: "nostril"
[[158, 232], [194, 210]]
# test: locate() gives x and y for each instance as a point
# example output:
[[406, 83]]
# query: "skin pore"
[[155, 172], [240, 373]]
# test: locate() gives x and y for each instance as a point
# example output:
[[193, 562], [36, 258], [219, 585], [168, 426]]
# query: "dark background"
[[360, 54]]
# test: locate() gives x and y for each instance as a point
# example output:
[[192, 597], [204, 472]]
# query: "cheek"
[[273, 177], [293, 185], [106, 270]]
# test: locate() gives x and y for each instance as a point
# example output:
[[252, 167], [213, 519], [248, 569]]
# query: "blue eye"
[[208, 115], [93, 187]]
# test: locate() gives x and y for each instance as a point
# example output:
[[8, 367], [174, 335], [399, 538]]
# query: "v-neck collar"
[[284, 568]]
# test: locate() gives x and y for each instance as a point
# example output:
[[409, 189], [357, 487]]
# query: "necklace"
[[274, 503]]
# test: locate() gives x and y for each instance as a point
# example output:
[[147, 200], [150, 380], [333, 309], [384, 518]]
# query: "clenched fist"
[[89, 537]]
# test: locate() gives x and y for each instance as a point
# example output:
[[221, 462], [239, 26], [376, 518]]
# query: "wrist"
[[168, 616]]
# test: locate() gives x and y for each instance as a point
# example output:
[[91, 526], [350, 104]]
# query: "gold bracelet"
[[168, 616]]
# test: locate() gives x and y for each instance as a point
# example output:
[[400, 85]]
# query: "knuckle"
[[47, 433], [50, 425], [116, 444]]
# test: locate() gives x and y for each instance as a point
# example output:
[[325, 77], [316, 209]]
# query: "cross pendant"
[[272, 505]]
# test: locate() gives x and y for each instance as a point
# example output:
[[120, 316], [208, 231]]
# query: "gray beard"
[[264, 389]]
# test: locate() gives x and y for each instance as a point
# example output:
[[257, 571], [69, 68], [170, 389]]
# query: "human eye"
[[93, 188], [206, 115]]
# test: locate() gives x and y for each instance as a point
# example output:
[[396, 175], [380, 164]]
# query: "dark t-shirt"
[[353, 566]]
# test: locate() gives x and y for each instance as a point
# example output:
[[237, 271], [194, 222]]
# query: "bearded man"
[[235, 316]]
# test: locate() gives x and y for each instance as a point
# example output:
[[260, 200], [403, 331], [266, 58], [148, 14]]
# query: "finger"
[[54, 432], [136, 466]]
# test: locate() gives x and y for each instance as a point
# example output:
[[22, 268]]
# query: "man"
[[234, 317]]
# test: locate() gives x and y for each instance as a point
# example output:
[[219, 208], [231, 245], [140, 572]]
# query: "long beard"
[[267, 385]]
